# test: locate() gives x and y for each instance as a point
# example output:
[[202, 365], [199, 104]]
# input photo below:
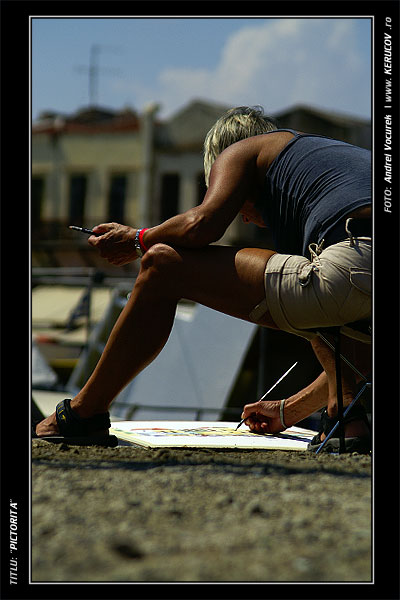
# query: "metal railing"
[[78, 276]]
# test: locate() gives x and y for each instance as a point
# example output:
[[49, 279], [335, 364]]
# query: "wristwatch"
[[138, 247]]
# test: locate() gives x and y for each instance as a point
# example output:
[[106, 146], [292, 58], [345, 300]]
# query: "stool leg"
[[339, 391], [348, 409]]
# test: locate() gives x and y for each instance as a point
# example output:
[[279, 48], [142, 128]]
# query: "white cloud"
[[278, 64]]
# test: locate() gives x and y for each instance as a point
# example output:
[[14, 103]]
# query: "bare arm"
[[264, 417], [233, 179], [233, 175]]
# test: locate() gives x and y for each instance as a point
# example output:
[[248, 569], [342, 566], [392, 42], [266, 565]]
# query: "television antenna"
[[93, 70]]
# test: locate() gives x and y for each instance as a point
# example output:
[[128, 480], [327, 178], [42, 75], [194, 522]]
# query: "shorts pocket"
[[361, 279], [357, 304]]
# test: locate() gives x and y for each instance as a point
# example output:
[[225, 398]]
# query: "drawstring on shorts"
[[349, 232], [315, 250], [314, 265]]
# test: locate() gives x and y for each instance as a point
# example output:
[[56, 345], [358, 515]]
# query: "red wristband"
[[141, 238]]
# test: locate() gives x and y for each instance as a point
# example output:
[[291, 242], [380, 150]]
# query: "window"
[[116, 199], [201, 187], [77, 195], [169, 195], [37, 191]]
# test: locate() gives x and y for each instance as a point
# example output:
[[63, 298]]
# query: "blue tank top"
[[310, 186]]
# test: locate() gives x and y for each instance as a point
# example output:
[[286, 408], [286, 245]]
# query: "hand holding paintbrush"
[[270, 390]]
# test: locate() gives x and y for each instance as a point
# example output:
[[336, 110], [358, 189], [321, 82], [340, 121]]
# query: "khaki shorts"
[[333, 288]]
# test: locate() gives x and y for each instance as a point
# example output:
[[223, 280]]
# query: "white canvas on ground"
[[207, 434]]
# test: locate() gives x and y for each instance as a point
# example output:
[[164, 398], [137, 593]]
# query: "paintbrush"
[[82, 230], [270, 390]]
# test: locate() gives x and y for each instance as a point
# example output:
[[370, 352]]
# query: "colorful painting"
[[204, 434]]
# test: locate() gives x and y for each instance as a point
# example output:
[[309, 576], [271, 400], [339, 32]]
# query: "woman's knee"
[[160, 261]]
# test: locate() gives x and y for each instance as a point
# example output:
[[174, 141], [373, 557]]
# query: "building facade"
[[98, 166]]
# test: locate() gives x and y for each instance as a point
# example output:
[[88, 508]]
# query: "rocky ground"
[[139, 515]]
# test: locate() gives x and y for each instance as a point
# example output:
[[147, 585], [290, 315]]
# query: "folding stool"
[[364, 330]]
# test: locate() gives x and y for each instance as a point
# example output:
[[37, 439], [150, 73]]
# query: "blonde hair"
[[236, 124]]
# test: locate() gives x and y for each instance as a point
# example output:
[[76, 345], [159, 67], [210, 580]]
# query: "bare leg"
[[225, 279], [327, 359]]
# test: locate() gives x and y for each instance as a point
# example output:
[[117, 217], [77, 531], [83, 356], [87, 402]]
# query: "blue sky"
[[276, 62]]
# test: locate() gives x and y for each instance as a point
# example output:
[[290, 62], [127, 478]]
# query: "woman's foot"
[[353, 429], [69, 422], [356, 431], [48, 427]]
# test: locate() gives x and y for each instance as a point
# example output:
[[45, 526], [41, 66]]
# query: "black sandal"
[[361, 444], [76, 431]]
